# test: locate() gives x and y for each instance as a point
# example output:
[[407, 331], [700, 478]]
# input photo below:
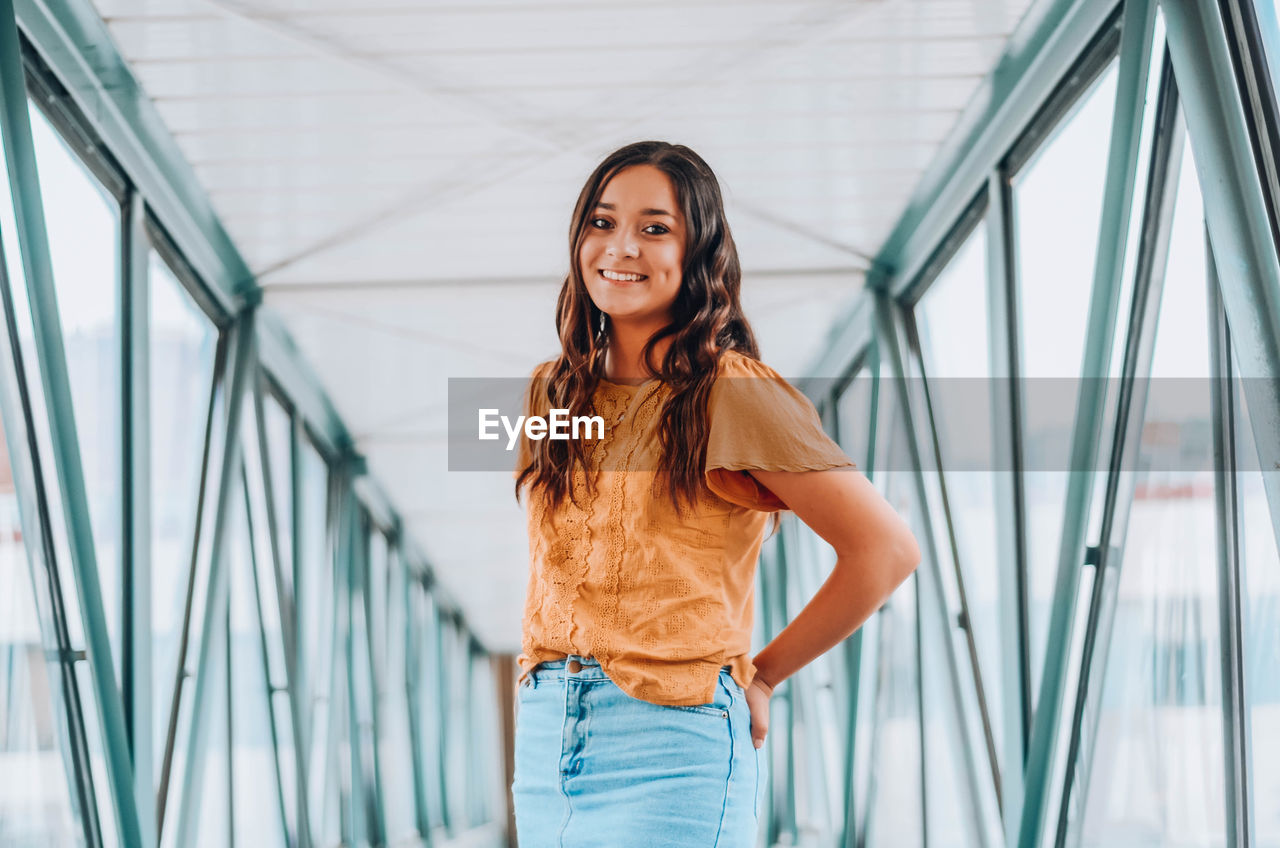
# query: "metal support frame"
[[1236, 211], [1010, 497], [15, 127], [1135, 50], [1106, 555], [1235, 701], [135, 615]]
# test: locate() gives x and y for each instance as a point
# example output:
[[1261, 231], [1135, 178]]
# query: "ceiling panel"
[[400, 176]]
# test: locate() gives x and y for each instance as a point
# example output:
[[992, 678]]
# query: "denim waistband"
[[589, 669]]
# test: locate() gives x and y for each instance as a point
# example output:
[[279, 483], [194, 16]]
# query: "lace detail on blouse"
[[663, 597]]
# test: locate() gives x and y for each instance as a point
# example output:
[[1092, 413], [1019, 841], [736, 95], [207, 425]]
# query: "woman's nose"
[[623, 244]]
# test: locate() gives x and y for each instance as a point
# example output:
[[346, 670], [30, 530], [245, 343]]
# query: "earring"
[[600, 332]]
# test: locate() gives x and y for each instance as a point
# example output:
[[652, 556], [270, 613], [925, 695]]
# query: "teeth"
[[622, 278]]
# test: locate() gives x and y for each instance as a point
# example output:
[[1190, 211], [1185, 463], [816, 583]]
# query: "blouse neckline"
[[629, 386]]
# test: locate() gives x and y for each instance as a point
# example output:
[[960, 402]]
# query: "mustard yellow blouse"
[[661, 597]]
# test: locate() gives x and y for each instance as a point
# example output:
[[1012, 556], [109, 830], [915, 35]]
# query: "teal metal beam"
[[442, 689], [413, 685], [135, 557], [216, 594], [1135, 58], [1240, 225], [28, 203], [1236, 734], [1106, 556], [363, 580], [1044, 46], [1011, 524], [76, 43]]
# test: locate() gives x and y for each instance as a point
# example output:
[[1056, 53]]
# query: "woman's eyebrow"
[[610, 207]]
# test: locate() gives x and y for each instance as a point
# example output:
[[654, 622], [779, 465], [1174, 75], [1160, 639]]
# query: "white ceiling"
[[400, 174]]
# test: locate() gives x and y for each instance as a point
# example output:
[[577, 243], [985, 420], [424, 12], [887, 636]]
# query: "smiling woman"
[[632, 251], [642, 712]]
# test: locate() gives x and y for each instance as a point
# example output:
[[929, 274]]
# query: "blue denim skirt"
[[597, 768]]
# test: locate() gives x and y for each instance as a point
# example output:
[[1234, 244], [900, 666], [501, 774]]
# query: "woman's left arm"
[[875, 553]]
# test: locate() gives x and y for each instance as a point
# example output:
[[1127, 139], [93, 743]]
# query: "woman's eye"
[[661, 229], [596, 221]]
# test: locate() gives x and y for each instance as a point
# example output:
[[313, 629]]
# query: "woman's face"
[[632, 251]]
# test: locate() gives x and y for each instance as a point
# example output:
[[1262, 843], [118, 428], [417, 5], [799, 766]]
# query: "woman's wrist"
[[764, 684]]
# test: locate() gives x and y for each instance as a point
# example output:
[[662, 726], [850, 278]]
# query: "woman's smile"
[[622, 277]]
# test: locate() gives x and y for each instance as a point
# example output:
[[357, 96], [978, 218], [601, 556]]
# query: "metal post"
[[1237, 216], [1010, 496], [15, 127], [1235, 703], [135, 312]]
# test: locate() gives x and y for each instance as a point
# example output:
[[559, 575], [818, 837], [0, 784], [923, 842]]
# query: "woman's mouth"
[[620, 277]]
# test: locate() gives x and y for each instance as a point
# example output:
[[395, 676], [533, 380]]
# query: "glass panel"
[[361, 692], [954, 341], [456, 724], [896, 814], [183, 345], [864, 725], [40, 427], [895, 807], [1057, 207], [83, 224], [1158, 776], [854, 415], [314, 578], [35, 802], [213, 827], [394, 743], [279, 429], [426, 670], [951, 812], [1270, 27], [256, 788], [818, 736], [1260, 590], [97, 758]]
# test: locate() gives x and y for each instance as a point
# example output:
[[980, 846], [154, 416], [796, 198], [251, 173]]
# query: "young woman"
[[641, 713]]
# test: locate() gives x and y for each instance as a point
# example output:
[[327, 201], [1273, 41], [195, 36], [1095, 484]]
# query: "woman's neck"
[[624, 360]]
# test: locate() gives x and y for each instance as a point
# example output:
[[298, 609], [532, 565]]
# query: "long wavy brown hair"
[[707, 320]]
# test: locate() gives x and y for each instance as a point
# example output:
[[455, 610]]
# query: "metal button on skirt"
[[595, 767]]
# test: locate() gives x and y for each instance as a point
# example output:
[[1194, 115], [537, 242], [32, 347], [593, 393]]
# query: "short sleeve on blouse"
[[759, 421]]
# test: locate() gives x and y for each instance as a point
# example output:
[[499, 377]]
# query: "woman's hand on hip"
[[758, 695]]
